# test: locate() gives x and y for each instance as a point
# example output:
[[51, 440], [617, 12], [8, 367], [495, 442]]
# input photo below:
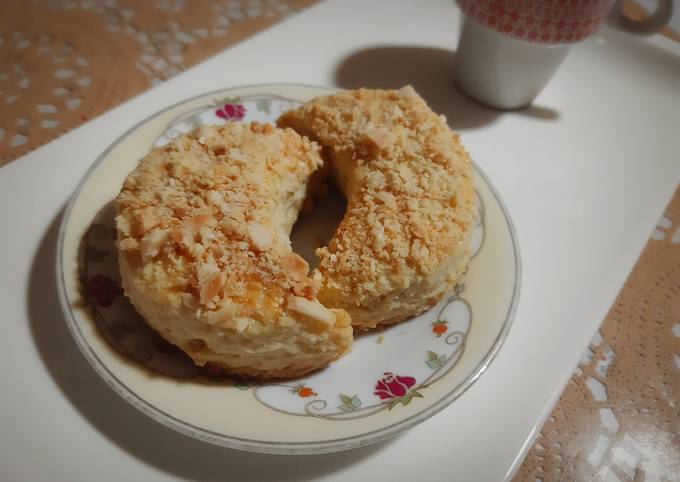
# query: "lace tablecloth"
[[619, 416], [63, 62]]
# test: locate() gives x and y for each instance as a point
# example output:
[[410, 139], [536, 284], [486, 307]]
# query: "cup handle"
[[656, 21]]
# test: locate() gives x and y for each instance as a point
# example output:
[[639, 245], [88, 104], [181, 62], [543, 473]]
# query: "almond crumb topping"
[[311, 308], [206, 226], [410, 198], [260, 236]]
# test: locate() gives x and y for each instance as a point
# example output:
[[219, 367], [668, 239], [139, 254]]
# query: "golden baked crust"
[[404, 239], [203, 227]]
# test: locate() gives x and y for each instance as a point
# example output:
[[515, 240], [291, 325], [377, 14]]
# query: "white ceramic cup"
[[501, 71], [506, 65]]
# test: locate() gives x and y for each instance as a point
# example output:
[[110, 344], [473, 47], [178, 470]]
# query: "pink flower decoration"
[[231, 112], [393, 386], [103, 290]]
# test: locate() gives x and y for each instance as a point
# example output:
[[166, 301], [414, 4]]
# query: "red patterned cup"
[[509, 49], [547, 21]]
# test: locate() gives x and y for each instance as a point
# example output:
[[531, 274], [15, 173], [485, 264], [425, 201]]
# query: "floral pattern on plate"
[[386, 389]]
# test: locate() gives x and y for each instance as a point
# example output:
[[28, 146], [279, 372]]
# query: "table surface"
[[566, 171]]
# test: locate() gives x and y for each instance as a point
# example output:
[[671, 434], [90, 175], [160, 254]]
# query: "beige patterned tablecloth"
[[619, 416], [63, 62]]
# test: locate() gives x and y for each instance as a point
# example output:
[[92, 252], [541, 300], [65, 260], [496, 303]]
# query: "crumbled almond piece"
[[381, 138], [193, 226], [223, 315], [214, 198], [206, 234], [296, 267], [241, 323], [189, 301], [408, 91], [150, 244], [145, 221], [211, 287], [387, 198], [231, 213], [128, 244], [311, 308], [123, 225], [306, 290], [260, 236], [197, 250], [207, 268]]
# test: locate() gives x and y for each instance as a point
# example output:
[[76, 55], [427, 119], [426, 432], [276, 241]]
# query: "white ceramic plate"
[[392, 379]]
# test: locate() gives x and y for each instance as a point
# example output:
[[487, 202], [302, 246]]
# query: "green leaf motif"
[[406, 399], [410, 396], [263, 105], [349, 403], [432, 363], [435, 361], [242, 386], [227, 100]]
